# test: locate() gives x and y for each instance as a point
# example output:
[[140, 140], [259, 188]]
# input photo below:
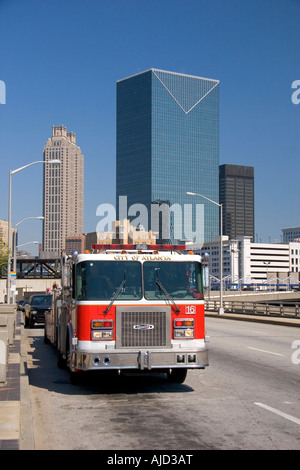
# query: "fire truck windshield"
[[179, 280], [112, 280], [100, 280]]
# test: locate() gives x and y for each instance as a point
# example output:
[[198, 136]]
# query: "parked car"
[[21, 305], [36, 308]]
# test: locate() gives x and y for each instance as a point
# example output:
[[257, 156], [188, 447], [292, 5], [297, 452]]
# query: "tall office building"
[[237, 197], [291, 234], [63, 190], [168, 144]]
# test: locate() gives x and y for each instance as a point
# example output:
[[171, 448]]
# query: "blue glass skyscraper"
[[168, 144]]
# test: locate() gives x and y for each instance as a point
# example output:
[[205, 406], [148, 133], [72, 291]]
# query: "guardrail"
[[254, 308]]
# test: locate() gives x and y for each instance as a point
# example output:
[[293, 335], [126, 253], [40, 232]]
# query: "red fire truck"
[[127, 309]]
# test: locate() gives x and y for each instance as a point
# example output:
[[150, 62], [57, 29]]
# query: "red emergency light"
[[106, 246], [167, 247]]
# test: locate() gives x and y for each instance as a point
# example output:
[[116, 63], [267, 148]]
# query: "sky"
[[60, 61]]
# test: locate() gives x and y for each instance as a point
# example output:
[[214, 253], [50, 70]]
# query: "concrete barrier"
[[4, 345], [11, 312]]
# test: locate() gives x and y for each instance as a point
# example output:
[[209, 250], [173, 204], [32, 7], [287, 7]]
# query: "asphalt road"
[[248, 398]]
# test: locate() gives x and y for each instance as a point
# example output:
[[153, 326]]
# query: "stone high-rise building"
[[63, 190]]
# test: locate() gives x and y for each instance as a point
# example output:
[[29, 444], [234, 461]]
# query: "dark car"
[[36, 308], [21, 305]]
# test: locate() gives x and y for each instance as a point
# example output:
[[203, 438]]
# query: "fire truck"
[[126, 309]]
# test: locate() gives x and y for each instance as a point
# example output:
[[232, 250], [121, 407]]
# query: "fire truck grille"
[[143, 327]]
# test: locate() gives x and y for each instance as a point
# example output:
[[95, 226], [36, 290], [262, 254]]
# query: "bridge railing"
[[254, 308]]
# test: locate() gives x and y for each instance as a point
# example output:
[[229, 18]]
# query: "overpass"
[[257, 304], [38, 268], [33, 275]]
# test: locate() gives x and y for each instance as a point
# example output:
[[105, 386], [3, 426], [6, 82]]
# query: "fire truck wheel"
[[76, 378], [46, 339], [177, 375], [61, 362]]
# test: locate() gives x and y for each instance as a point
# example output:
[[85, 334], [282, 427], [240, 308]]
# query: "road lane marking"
[[278, 412], [269, 352]]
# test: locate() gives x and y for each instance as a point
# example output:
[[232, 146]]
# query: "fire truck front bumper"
[[139, 359]]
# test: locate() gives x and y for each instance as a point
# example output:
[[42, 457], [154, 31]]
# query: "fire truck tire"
[[46, 339], [177, 375], [61, 362]]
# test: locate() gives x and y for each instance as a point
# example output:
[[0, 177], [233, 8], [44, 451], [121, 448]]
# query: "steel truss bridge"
[[36, 268]]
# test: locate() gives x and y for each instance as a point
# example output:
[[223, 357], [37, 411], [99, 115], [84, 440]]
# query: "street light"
[[28, 243], [221, 309], [12, 172], [14, 289], [267, 264], [15, 243], [15, 240]]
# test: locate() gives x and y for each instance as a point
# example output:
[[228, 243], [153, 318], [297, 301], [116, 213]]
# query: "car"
[[21, 305], [36, 307]]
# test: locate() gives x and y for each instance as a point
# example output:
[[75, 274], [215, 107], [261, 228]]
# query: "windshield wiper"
[[116, 294], [161, 286]]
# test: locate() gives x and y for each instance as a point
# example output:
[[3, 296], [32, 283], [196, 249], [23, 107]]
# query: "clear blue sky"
[[60, 61]]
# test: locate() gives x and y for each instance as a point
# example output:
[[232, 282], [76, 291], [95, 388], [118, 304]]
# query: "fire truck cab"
[[127, 309]]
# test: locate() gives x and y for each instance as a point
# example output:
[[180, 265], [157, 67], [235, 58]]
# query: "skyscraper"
[[168, 144], [63, 190], [237, 197]]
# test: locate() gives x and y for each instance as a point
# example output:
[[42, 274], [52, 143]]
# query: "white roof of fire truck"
[[135, 252]]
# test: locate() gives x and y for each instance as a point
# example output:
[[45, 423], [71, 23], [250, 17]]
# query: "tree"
[[3, 254]]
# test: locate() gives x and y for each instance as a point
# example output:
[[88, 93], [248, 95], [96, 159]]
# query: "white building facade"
[[246, 263]]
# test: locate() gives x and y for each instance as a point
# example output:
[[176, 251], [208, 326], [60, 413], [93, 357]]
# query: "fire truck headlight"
[[184, 333], [102, 335], [184, 328], [102, 330]]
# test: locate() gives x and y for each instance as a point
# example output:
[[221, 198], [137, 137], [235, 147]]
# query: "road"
[[248, 398]]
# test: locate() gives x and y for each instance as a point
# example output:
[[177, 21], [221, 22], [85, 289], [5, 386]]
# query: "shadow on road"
[[43, 372]]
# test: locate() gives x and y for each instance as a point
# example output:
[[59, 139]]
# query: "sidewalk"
[[15, 410]]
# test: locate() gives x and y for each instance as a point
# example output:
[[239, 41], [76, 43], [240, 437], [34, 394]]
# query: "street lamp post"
[[28, 243], [12, 172], [15, 243], [221, 309], [267, 264]]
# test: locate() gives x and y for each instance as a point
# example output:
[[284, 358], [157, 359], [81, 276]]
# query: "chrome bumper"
[[139, 359]]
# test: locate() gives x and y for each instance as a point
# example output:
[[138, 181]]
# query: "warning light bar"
[[105, 246]]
